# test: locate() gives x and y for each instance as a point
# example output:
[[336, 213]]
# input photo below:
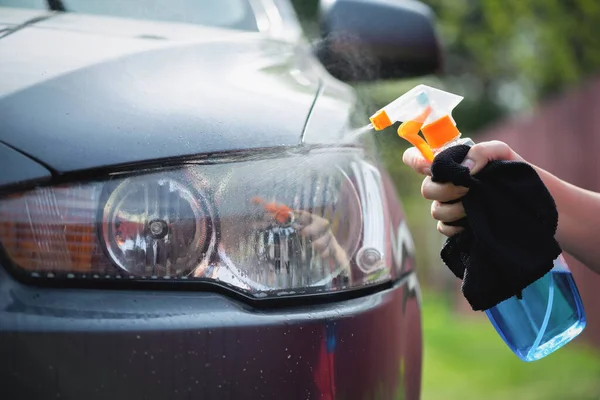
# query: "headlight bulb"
[[156, 227]]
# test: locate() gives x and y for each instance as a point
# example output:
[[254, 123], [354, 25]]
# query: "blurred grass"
[[465, 359]]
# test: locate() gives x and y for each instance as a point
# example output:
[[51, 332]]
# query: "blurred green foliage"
[[510, 54], [505, 55]]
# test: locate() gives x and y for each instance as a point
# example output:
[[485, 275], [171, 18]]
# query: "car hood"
[[82, 92]]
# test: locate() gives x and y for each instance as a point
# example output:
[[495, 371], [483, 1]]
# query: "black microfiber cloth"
[[508, 241]]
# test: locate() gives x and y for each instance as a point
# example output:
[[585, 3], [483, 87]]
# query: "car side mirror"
[[367, 40]]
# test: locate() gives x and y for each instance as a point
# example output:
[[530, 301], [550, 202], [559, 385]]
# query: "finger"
[[316, 228], [441, 192], [447, 212], [448, 230], [324, 245], [303, 218], [484, 152], [414, 159]]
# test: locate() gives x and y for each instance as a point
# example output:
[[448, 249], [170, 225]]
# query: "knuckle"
[[435, 213], [449, 192], [498, 143], [441, 227], [459, 211], [461, 191], [406, 158], [442, 192], [426, 188], [427, 194], [493, 149]]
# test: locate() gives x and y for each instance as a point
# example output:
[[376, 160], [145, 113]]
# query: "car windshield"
[[222, 13]]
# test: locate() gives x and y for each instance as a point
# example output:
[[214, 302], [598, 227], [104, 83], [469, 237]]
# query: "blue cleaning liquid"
[[549, 315]]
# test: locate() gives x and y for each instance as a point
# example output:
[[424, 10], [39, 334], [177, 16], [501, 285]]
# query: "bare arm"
[[578, 221], [578, 209]]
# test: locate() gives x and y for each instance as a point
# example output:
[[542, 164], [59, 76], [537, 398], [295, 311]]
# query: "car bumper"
[[102, 344]]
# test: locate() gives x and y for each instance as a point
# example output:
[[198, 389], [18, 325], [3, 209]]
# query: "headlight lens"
[[156, 226], [296, 224]]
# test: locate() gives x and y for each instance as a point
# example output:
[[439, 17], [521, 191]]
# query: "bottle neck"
[[458, 141]]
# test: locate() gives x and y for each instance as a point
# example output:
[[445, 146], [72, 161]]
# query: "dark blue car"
[[186, 211]]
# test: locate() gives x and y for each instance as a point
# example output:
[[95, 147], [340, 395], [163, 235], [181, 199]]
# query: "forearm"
[[578, 221]]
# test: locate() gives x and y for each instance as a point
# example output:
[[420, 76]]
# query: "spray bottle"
[[550, 312]]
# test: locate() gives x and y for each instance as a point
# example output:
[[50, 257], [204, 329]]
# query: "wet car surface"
[[206, 295]]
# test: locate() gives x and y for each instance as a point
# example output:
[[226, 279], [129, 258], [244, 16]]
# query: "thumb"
[[484, 152]]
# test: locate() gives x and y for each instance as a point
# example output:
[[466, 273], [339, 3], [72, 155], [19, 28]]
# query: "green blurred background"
[[506, 57]]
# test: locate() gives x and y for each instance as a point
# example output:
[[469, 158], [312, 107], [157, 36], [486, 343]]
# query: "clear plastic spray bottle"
[[550, 312]]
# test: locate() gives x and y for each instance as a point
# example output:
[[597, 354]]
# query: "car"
[[188, 208]]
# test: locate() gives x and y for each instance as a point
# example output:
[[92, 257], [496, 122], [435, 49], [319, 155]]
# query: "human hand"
[[445, 207]]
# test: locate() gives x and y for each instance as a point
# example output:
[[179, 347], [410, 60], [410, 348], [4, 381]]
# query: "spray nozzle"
[[425, 109]]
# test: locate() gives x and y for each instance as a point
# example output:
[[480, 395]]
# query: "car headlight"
[[298, 223]]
